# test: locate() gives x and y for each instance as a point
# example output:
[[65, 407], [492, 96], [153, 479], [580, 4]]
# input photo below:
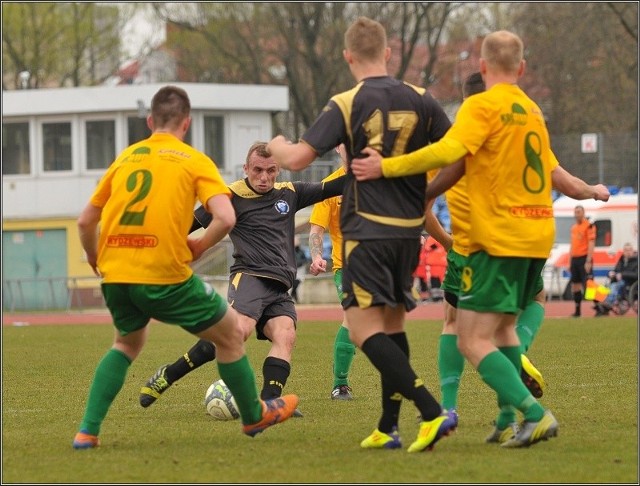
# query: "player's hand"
[[92, 260], [318, 266], [197, 246], [369, 167], [602, 193]]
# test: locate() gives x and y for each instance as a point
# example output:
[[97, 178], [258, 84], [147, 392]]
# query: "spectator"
[[624, 274], [436, 264]]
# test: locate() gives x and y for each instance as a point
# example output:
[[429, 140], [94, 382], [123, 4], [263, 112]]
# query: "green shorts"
[[499, 284], [337, 280], [192, 305], [451, 282]]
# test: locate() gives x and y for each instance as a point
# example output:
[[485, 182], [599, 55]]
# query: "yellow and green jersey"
[[508, 173], [147, 198]]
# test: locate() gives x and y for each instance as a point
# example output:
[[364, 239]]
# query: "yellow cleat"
[[381, 440], [532, 378], [434, 430]]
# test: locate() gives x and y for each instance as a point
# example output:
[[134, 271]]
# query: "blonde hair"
[[366, 39], [503, 51]]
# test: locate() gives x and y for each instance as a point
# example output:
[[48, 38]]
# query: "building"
[[57, 143]]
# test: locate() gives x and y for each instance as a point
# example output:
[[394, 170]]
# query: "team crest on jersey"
[[282, 206]]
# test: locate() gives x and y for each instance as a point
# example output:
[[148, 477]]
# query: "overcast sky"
[[140, 31]]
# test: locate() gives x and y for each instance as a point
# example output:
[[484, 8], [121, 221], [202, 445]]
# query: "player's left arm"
[[576, 188], [223, 220], [201, 219], [444, 152]]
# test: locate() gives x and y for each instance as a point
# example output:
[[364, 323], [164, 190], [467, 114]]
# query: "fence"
[[69, 293]]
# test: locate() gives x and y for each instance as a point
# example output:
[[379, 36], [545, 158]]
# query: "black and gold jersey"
[[394, 118], [265, 225]]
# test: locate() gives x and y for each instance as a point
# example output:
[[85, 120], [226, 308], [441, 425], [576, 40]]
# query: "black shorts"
[[379, 272], [578, 273], [260, 298]]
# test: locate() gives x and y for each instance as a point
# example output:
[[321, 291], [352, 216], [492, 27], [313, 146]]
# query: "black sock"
[[275, 372], [577, 298], [202, 352], [395, 368], [391, 399]]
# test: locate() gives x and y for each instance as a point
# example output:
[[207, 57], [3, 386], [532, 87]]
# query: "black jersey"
[[394, 118], [263, 236]]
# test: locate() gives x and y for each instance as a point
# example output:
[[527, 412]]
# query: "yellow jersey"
[[327, 214], [147, 198], [508, 173]]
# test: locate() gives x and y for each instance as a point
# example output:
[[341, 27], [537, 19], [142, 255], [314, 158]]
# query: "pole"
[[600, 159]]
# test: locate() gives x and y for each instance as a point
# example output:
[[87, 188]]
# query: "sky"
[[140, 31]]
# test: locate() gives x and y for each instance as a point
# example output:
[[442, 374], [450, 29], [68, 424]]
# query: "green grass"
[[590, 365]]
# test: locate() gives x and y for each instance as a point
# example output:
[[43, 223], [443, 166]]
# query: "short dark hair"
[[169, 107], [474, 84]]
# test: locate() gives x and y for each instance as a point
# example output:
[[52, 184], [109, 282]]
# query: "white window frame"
[[118, 138], [32, 146], [75, 146]]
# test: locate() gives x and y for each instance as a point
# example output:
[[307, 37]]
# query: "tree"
[[58, 43], [585, 57], [297, 43]]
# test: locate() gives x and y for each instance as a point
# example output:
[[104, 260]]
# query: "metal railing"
[[51, 293]]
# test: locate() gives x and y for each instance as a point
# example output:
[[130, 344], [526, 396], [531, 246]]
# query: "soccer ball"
[[220, 402]]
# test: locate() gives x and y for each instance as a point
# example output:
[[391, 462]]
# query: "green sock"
[[343, 352], [450, 365], [497, 371], [507, 413], [241, 380], [529, 322], [107, 382]]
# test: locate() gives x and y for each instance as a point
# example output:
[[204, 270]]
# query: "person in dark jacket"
[[623, 275]]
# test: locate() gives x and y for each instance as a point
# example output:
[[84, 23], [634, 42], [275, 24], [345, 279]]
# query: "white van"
[[616, 224]]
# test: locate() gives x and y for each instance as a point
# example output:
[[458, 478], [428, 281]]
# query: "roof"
[[95, 99]]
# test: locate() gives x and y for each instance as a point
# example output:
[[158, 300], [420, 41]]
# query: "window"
[[603, 232], [214, 139], [56, 141], [15, 149], [101, 147], [137, 129]]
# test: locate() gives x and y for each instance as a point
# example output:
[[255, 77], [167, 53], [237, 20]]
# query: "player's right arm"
[[88, 230], [446, 179]]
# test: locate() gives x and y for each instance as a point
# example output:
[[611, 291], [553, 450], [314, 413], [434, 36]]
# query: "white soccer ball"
[[220, 402]]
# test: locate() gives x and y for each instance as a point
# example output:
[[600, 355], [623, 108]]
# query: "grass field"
[[591, 367]]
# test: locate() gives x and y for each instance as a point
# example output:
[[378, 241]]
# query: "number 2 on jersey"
[[140, 187]]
